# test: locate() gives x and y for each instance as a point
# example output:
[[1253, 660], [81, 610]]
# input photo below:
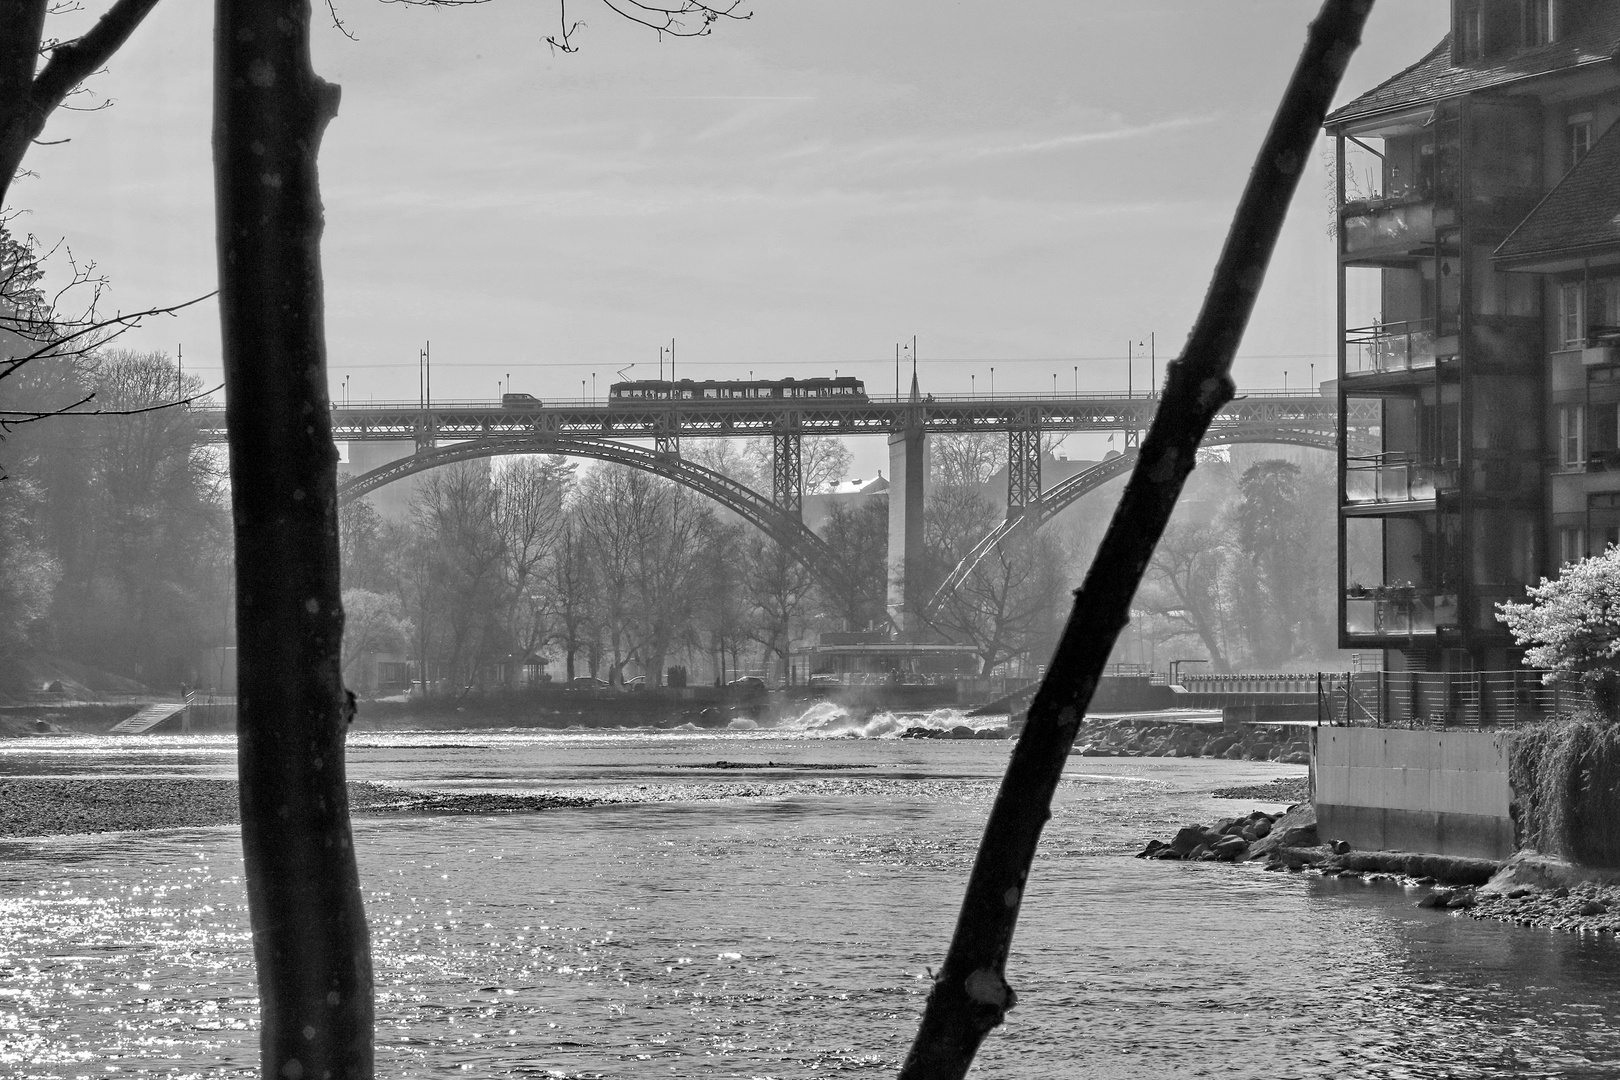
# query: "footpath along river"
[[782, 929]]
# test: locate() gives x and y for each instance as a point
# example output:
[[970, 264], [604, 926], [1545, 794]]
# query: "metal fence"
[[1464, 699]]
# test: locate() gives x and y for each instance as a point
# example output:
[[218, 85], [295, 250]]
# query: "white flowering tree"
[[1571, 626]]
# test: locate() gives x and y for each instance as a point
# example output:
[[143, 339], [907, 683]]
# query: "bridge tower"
[[1024, 466], [908, 473], [787, 472]]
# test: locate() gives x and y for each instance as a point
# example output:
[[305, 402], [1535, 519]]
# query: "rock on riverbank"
[[1129, 736]]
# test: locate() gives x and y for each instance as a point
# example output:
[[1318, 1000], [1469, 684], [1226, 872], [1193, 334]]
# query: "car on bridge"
[[520, 401]]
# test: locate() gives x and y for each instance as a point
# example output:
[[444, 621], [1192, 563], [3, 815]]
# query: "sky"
[[1027, 187]]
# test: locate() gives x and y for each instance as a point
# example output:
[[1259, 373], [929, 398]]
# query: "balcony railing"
[[1395, 477], [1396, 346], [1396, 224], [1397, 611]]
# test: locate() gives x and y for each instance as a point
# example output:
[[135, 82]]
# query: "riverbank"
[[1521, 892], [38, 806]]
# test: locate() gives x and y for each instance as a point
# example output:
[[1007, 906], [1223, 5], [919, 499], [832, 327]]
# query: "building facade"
[[1478, 235]]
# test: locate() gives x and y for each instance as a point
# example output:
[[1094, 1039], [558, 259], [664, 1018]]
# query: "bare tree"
[[1188, 588], [966, 459], [456, 511], [528, 504], [778, 587], [372, 622], [860, 538], [49, 337], [570, 593], [723, 610], [1008, 606]]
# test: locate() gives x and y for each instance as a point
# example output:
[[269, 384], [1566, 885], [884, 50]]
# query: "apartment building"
[[1478, 236]]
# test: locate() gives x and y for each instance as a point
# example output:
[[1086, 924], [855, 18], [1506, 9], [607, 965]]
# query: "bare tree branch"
[[10, 418], [27, 100], [970, 995], [679, 18]]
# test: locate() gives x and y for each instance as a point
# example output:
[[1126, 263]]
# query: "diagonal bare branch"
[[970, 995]]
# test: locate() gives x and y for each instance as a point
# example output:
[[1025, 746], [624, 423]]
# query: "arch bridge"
[[600, 431], [1061, 495]]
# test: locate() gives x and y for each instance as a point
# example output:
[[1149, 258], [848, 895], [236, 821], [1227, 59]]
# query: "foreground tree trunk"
[[309, 928], [970, 995]]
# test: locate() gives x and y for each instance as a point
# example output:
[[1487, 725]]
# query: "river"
[[771, 920]]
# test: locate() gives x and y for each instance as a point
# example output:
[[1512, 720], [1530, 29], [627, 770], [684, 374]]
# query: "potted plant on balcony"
[[1356, 591], [1404, 593]]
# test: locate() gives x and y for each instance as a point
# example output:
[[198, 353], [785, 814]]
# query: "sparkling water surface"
[[771, 920]]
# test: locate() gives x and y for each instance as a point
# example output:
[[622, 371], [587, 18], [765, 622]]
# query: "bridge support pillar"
[[667, 444], [1023, 471], [393, 502], [908, 471], [787, 473]]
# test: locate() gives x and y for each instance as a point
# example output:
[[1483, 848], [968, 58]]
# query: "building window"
[[1571, 314], [1577, 139], [1540, 22], [1571, 545], [1605, 302], [1470, 30], [1571, 444]]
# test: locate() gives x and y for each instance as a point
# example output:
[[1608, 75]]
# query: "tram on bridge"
[[640, 391]]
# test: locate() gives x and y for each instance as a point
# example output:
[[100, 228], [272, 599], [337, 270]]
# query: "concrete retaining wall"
[[1441, 792]]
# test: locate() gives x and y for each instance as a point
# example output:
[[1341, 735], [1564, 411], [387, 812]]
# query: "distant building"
[[818, 506], [1479, 310]]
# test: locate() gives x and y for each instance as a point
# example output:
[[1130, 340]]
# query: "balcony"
[[1394, 479], [1386, 347], [1396, 225], [1397, 611]]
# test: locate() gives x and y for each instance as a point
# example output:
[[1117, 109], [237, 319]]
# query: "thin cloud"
[[1063, 142]]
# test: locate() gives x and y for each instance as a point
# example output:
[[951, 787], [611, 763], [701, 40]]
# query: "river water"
[[771, 920]]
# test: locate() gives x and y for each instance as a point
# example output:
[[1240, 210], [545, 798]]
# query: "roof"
[[1581, 212], [1435, 77]]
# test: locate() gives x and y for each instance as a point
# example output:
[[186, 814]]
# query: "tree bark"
[[309, 929], [970, 995], [26, 102]]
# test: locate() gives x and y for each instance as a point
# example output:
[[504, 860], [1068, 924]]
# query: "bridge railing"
[[1285, 683]]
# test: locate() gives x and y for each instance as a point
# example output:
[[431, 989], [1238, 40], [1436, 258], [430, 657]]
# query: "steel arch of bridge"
[[1065, 492], [783, 526]]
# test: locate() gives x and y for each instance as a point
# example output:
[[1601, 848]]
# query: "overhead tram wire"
[[841, 361]]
